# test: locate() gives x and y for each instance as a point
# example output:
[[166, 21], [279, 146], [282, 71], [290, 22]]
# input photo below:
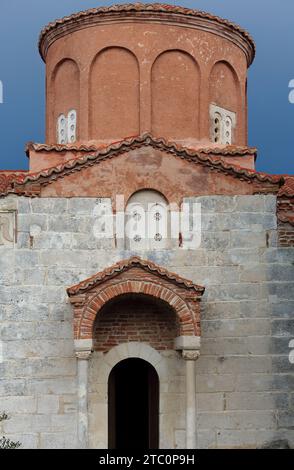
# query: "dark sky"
[[271, 116]]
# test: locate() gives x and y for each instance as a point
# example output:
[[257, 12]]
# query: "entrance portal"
[[133, 405]]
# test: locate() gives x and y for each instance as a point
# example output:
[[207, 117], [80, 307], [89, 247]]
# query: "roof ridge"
[[225, 150], [128, 263], [138, 141]]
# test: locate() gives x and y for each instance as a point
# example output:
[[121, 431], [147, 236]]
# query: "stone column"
[[190, 348], [190, 357], [83, 350]]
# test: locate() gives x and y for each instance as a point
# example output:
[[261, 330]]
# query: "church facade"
[[146, 267]]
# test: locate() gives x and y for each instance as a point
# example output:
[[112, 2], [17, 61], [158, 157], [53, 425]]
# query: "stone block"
[[236, 439], [254, 273], [281, 290], [235, 327], [53, 241], [180, 439], [48, 404], [27, 422], [247, 239], [12, 386], [58, 440], [233, 364], [206, 439], [282, 309], [283, 327], [25, 221], [270, 203], [213, 383], [278, 255], [49, 205], [56, 385], [231, 292], [65, 423], [22, 331], [64, 224], [27, 440], [281, 363], [18, 405], [237, 420], [286, 419], [210, 402], [24, 205], [215, 240], [242, 345], [248, 203], [256, 401], [254, 382], [26, 259]]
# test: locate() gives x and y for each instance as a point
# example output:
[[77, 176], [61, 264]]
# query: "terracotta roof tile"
[[288, 188], [144, 8], [229, 150], [76, 164], [126, 264]]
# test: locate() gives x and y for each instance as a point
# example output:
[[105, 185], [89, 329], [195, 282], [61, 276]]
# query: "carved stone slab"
[[7, 228]]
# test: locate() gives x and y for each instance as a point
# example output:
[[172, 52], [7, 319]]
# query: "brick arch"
[[84, 320]]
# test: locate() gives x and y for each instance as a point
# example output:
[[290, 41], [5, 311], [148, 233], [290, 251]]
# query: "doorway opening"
[[133, 406]]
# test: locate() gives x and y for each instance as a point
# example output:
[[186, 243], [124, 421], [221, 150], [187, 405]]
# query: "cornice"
[[148, 13]]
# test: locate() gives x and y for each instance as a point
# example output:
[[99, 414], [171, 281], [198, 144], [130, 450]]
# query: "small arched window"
[[222, 124], [67, 128], [147, 221]]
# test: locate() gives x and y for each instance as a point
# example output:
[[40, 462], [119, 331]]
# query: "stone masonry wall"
[[244, 378]]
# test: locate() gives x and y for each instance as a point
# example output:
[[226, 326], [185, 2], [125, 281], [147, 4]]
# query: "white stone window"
[[223, 123], [67, 128], [71, 126], [62, 129], [147, 222]]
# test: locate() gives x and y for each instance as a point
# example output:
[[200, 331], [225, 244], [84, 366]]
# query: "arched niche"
[[66, 86], [114, 95], [135, 317], [175, 80], [224, 88]]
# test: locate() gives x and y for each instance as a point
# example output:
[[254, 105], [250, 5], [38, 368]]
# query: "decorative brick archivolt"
[[135, 276]]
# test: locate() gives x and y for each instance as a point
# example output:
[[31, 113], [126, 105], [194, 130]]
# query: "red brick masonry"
[[135, 276]]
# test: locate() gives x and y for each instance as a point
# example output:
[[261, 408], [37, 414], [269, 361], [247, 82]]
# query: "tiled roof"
[[8, 184], [124, 265], [229, 150], [144, 8], [60, 147], [288, 188]]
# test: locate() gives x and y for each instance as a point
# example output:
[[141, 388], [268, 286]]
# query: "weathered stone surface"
[[47, 404], [243, 377]]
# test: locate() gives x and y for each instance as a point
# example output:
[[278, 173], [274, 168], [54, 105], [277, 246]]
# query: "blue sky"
[[271, 116]]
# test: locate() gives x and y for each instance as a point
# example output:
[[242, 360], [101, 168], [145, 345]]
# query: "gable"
[[145, 162], [147, 167]]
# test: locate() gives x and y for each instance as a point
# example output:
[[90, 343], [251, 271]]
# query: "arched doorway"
[[133, 406]]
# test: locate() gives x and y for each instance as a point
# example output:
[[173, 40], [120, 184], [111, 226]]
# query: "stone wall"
[[244, 378]]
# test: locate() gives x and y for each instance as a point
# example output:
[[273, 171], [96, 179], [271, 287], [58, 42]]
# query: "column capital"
[[190, 354], [189, 347], [83, 348], [83, 355]]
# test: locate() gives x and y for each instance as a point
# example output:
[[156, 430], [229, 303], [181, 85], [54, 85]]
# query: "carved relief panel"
[[7, 228]]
